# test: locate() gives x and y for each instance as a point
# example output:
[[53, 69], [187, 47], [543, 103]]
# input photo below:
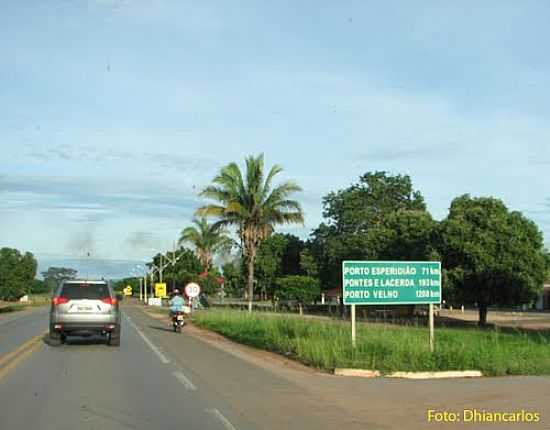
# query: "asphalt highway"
[[162, 380], [86, 384]]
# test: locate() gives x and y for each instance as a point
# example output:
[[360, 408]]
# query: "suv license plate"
[[84, 308]]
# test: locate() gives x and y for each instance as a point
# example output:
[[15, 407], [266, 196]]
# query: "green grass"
[[39, 299], [34, 300], [11, 308], [327, 344]]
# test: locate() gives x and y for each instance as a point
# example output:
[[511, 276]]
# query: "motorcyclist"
[[176, 303]]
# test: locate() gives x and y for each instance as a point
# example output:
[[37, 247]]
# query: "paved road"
[[161, 380], [18, 327], [89, 385]]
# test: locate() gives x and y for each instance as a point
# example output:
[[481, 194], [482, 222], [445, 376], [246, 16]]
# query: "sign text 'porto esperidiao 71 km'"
[[391, 282]]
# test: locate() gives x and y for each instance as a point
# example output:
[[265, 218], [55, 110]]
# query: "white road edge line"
[[184, 380], [221, 418], [160, 355]]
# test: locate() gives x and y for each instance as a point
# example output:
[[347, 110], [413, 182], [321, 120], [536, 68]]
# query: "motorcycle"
[[178, 321]]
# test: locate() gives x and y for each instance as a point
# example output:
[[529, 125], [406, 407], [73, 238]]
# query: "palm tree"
[[253, 205], [207, 239]]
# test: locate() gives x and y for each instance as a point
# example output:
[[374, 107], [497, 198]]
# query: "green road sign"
[[391, 282]]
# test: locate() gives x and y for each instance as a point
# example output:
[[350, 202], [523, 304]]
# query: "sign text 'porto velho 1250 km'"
[[391, 282]]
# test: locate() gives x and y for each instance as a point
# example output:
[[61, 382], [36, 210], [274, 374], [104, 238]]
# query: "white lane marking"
[[221, 418], [184, 380], [160, 355]]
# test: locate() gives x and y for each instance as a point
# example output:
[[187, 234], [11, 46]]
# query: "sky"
[[115, 114]]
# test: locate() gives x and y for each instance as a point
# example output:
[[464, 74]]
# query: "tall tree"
[[308, 263], [17, 272], [290, 262], [253, 205], [54, 276], [302, 289], [547, 264], [233, 274], [364, 221], [207, 239], [493, 256], [412, 236], [268, 265]]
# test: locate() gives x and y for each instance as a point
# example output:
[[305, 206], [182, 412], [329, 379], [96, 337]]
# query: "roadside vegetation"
[[34, 300], [327, 345], [9, 307], [254, 205], [491, 256]]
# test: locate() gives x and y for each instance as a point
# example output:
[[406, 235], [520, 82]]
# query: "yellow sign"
[[127, 291], [160, 289]]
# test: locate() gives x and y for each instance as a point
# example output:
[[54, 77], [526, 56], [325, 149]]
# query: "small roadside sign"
[[160, 289], [192, 290]]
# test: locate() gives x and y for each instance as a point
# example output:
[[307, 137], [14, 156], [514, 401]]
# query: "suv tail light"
[[110, 301], [59, 300]]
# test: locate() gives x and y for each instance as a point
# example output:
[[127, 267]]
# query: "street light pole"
[[160, 269], [145, 286]]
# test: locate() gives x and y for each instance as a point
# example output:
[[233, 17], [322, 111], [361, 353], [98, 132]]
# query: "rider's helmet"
[[176, 292]]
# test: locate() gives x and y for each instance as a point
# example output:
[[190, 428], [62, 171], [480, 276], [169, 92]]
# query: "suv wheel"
[[114, 337], [55, 338]]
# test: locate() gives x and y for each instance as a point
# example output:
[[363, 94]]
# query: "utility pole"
[[145, 287], [160, 269]]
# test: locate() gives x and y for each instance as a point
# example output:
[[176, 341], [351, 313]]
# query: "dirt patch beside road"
[[520, 320]]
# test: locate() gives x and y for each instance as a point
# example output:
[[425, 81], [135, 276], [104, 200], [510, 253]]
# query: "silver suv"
[[84, 308]]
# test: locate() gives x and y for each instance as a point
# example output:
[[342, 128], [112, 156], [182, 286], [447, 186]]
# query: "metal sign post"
[[431, 324], [353, 327]]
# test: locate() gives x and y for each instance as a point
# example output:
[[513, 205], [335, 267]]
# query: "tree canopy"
[[278, 255], [207, 239], [493, 256], [381, 216], [252, 204], [17, 272], [54, 276], [303, 289], [233, 273]]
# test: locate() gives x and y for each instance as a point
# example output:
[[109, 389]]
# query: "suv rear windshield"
[[74, 291]]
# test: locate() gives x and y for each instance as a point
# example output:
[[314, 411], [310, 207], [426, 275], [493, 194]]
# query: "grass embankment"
[[4, 308], [388, 348], [34, 300]]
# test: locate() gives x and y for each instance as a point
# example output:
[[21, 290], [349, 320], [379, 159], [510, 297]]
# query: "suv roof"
[[83, 281]]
